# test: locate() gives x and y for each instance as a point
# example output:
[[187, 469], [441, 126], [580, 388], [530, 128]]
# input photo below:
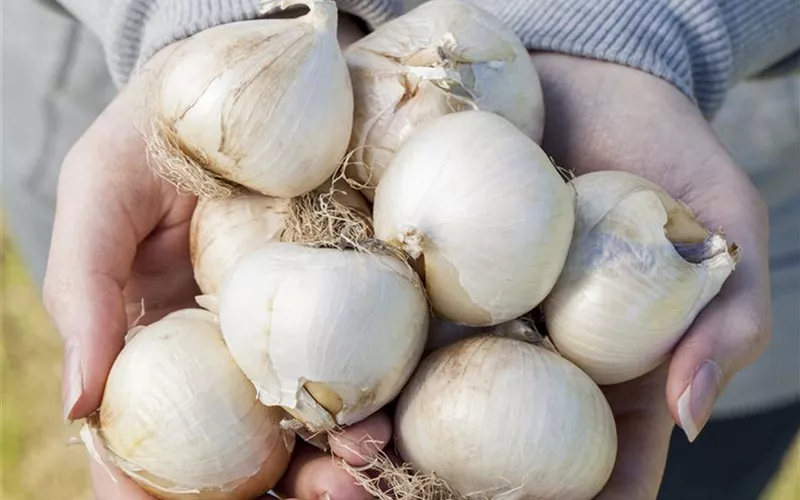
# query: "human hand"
[[120, 240], [603, 116]]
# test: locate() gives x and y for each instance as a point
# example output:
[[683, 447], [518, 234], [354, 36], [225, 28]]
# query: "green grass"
[[786, 486], [9, 425], [37, 461]]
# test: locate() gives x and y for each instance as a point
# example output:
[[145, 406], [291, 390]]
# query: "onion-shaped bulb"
[[484, 212], [640, 270], [224, 229], [444, 56], [181, 419], [502, 418], [330, 335], [266, 104]]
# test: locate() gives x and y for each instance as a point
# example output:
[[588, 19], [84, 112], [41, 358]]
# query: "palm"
[[121, 244], [628, 120], [161, 278], [643, 429]]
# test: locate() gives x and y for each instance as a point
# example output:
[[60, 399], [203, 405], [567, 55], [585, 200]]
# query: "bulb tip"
[[323, 15], [410, 240], [713, 246]]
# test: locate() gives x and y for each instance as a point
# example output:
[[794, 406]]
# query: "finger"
[[162, 278], [644, 427], [314, 475], [110, 482], [107, 204], [732, 331], [362, 441], [108, 201]]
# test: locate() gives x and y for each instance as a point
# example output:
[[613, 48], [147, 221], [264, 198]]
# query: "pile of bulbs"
[[467, 226]]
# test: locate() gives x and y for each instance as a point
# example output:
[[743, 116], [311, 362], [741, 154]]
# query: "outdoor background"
[[53, 84]]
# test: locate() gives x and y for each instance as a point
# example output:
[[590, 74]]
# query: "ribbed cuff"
[[685, 42], [765, 35], [137, 29]]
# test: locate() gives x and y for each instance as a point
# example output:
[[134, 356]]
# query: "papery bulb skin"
[[444, 56], [484, 212], [501, 418], [266, 104], [640, 270], [224, 229], [330, 335], [181, 419]]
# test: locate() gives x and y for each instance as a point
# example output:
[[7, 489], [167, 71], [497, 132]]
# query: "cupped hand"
[[603, 116], [120, 245]]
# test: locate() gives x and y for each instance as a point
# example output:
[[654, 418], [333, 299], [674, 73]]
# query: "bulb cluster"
[[391, 257]]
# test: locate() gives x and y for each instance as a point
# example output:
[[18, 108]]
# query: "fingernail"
[[72, 377], [697, 401]]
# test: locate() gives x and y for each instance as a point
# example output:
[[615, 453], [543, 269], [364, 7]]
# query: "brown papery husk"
[[181, 165], [701, 251], [693, 241]]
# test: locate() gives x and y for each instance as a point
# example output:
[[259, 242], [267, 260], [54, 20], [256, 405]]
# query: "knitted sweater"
[[702, 47]]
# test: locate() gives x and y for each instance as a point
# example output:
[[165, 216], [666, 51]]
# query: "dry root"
[[182, 166], [319, 220], [565, 173], [384, 480], [350, 162]]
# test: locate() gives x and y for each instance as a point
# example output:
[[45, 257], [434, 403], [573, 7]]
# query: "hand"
[[603, 116], [121, 237]]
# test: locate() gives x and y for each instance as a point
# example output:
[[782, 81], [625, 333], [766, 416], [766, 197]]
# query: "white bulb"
[[485, 212], [224, 229], [628, 293], [501, 418], [330, 335], [267, 104], [442, 57], [181, 419]]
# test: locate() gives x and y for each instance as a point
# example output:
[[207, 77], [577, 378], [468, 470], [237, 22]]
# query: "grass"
[[35, 460], [786, 486]]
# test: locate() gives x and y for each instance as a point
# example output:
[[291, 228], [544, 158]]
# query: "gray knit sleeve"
[[136, 29], [701, 46]]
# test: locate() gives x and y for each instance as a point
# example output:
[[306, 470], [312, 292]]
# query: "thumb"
[[732, 331], [108, 481], [105, 207]]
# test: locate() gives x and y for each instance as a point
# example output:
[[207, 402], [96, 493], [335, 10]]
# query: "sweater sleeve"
[[701, 46], [135, 29]]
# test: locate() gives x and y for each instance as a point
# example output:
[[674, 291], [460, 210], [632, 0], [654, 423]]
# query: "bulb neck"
[[410, 241], [323, 15], [702, 251]]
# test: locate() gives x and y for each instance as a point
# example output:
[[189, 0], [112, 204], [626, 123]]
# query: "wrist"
[[684, 42]]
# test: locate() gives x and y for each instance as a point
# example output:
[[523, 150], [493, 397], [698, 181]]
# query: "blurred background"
[[54, 83]]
